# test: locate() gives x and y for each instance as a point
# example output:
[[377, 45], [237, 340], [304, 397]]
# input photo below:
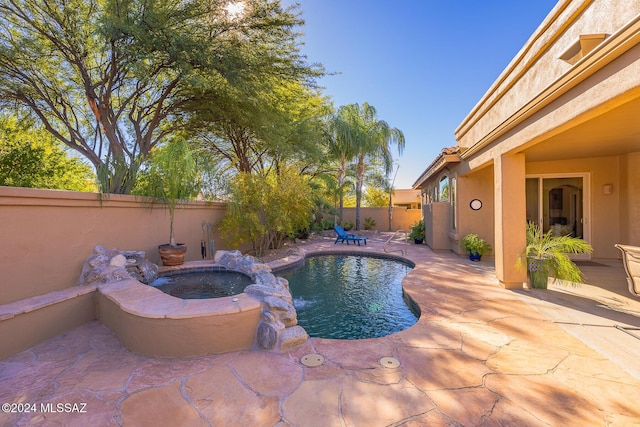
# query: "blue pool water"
[[202, 283], [350, 297]]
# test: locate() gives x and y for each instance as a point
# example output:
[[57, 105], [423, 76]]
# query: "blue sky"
[[423, 64]]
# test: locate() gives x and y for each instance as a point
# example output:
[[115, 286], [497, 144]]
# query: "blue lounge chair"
[[344, 237]]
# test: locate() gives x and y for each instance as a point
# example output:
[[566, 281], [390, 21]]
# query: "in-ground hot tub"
[[153, 323], [202, 283]]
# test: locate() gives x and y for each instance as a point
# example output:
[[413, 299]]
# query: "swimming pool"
[[350, 297], [202, 283]]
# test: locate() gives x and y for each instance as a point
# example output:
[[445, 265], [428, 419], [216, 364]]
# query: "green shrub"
[[474, 244], [417, 231], [262, 211]]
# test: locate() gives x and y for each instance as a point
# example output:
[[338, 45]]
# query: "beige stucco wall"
[[25, 330], [401, 218], [152, 323], [476, 185], [437, 221], [49, 234]]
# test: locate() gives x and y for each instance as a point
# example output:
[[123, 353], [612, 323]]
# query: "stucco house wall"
[[477, 185], [437, 225]]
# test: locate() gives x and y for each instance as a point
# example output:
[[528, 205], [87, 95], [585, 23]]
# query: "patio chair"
[[344, 237], [631, 262]]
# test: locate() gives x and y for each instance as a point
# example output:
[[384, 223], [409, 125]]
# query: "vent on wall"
[[585, 44]]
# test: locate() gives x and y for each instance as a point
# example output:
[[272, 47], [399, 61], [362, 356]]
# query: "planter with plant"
[[417, 232], [548, 255], [172, 176], [475, 245], [369, 223]]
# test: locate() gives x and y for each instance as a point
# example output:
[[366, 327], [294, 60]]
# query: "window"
[[453, 203], [443, 189]]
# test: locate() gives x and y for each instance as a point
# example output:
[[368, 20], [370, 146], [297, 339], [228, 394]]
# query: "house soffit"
[[599, 57]]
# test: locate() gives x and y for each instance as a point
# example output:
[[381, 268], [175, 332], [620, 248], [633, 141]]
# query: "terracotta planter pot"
[[172, 255]]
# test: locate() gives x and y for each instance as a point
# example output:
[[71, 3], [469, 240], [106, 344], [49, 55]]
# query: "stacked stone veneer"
[[278, 329]]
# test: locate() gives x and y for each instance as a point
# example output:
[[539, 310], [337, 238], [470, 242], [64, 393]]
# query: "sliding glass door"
[[559, 203]]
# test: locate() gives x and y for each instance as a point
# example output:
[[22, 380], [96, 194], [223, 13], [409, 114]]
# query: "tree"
[[376, 197], [173, 175], [280, 121], [31, 157], [363, 136], [112, 78]]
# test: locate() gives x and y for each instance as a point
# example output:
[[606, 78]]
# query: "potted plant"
[[475, 245], [548, 255], [417, 232], [172, 176]]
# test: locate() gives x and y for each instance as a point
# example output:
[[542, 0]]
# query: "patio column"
[[510, 218]]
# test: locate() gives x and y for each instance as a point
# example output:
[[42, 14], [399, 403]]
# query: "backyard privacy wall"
[[47, 234], [401, 218]]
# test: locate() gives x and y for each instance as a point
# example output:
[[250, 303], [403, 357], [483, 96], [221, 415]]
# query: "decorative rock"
[[293, 337], [290, 317], [118, 261], [276, 304], [267, 335], [278, 315], [264, 277], [112, 265], [144, 271]]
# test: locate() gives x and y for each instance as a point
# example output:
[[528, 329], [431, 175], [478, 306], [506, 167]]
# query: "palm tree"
[[341, 151], [359, 134]]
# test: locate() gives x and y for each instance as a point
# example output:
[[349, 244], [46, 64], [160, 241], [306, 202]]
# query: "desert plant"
[[417, 231], [369, 223], [546, 254], [475, 245]]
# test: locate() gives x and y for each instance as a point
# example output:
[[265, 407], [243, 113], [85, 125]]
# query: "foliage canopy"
[[31, 157], [111, 79]]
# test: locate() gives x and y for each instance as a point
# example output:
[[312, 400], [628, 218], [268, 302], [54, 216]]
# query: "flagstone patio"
[[479, 355]]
